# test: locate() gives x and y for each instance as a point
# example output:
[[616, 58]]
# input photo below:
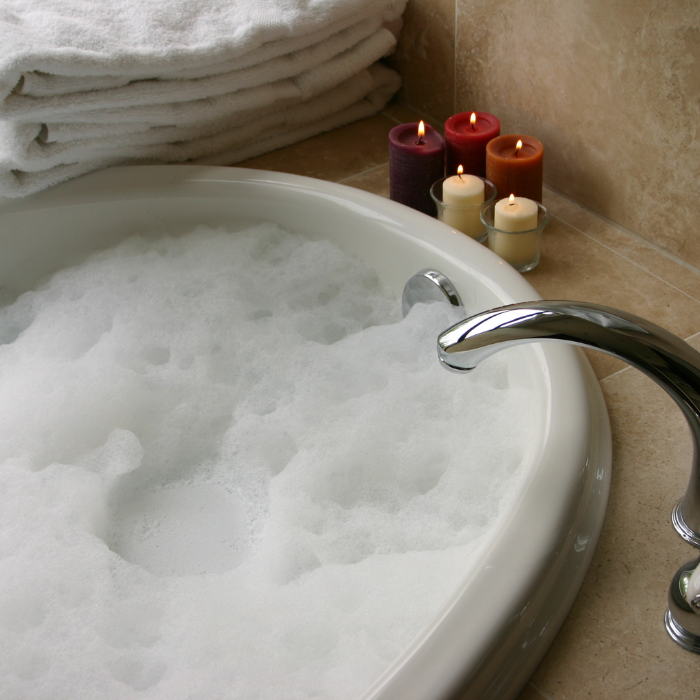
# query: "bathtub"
[[489, 636]]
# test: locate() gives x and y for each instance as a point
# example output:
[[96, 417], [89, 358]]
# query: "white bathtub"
[[490, 635]]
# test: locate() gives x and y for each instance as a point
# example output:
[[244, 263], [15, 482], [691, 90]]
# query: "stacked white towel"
[[85, 84]]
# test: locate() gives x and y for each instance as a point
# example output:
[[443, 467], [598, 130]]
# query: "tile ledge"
[[364, 172], [537, 689], [430, 118], [626, 231]]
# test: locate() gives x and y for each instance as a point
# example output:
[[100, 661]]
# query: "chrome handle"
[[664, 357]]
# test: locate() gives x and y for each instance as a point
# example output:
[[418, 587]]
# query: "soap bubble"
[[230, 468]]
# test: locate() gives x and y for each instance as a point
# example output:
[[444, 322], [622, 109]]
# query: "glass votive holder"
[[521, 249], [464, 218]]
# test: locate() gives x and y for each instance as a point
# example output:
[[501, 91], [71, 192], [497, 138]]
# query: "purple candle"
[[416, 161]]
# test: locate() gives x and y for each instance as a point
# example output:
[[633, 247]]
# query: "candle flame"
[[421, 133], [518, 146], [460, 170], [511, 200], [472, 120]]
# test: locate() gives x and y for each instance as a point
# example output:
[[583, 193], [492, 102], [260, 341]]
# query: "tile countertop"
[[613, 643]]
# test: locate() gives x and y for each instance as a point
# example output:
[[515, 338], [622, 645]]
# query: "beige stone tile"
[[613, 643], [624, 243], [612, 89], [424, 57], [335, 155], [604, 365], [578, 268], [375, 181]]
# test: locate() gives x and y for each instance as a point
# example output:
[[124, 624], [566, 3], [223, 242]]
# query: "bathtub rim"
[[441, 672]]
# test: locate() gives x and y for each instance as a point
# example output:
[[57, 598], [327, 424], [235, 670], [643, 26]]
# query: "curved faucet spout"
[[664, 357]]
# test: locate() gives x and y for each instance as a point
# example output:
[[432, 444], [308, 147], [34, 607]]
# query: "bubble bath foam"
[[230, 469]]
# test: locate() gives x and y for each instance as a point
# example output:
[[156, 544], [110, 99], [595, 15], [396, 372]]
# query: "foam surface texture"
[[230, 469]]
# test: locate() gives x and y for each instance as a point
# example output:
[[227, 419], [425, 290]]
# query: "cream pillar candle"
[[513, 215], [463, 196]]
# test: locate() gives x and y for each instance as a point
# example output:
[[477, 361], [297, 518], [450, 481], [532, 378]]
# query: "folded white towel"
[[194, 107], [86, 84], [371, 104], [39, 84], [32, 146], [19, 137], [373, 89], [140, 92], [192, 141], [161, 38]]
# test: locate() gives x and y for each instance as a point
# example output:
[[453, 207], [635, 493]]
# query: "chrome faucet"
[[667, 359]]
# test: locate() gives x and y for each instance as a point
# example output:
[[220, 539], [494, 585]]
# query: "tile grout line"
[[654, 246], [614, 374], [624, 257], [389, 116], [430, 118], [454, 61], [364, 172], [545, 695], [629, 367]]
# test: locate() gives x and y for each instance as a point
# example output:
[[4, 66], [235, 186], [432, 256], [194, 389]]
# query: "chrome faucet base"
[[687, 640], [681, 619], [682, 528]]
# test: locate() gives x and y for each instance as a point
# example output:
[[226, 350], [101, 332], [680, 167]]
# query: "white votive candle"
[[514, 215], [463, 196]]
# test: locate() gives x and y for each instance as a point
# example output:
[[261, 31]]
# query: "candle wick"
[[473, 129], [420, 141], [459, 175]]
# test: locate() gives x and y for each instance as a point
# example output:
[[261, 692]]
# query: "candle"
[[416, 161], [463, 196], [514, 165], [466, 136], [510, 217]]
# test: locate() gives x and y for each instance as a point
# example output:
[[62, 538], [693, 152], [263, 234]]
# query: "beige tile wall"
[[611, 87], [425, 58]]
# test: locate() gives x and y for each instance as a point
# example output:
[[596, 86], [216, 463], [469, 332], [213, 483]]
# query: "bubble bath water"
[[230, 469]]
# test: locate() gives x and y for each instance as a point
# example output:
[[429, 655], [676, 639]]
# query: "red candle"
[[466, 136], [416, 161], [515, 169]]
